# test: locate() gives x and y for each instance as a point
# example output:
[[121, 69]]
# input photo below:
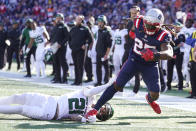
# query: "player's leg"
[[37, 61], [137, 83], [107, 71], [17, 57], [9, 56], [127, 72], [14, 99], [151, 78], [41, 63], [179, 60], [116, 61], [7, 109], [24, 60], [170, 67], [99, 70]]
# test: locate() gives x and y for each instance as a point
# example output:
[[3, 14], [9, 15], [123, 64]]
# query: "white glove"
[[27, 50], [89, 53], [7, 42], [54, 47], [91, 119], [83, 120]]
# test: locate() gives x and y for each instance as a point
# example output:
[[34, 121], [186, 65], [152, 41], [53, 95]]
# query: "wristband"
[[157, 56]]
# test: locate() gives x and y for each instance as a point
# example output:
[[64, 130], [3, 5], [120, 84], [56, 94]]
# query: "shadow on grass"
[[66, 125], [187, 122], [58, 125], [153, 117], [133, 104], [15, 119]]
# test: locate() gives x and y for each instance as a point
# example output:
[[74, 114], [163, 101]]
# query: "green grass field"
[[129, 116]]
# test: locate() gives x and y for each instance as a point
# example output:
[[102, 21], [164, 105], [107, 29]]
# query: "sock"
[[149, 98], [106, 96], [5, 109], [37, 68]]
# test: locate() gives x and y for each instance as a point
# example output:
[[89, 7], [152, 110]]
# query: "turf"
[[129, 116]]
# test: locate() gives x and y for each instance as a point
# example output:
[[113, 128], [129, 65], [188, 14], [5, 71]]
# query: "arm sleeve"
[[109, 40], [89, 36], [96, 90], [181, 38], [23, 39], [66, 36]]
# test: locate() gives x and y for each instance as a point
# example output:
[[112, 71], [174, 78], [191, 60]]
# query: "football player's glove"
[[150, 54], [54, 47]]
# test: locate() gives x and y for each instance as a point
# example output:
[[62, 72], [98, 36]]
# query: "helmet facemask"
[[153, 20], [105, 113], [151, 28]]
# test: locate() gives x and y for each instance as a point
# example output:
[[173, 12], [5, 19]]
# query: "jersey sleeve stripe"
[[161, 36], [138, 23]]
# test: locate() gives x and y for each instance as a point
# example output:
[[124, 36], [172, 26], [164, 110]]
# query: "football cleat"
[[154, 106]]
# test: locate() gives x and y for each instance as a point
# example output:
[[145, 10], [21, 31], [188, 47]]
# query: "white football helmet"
[[153, 20]]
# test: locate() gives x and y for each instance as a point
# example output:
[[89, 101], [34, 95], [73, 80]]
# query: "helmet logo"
[[159, 17]]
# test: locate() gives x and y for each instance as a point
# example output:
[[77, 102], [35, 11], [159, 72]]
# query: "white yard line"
[[164, 100]]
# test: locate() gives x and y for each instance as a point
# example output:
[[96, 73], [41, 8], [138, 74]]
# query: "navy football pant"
[[150, 75]]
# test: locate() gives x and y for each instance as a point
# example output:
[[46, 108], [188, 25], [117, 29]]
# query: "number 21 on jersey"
[[139, 45]]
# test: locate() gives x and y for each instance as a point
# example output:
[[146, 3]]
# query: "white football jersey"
[[187, 32], [74, 104], [119, 39], [94, 30], [38, 35]]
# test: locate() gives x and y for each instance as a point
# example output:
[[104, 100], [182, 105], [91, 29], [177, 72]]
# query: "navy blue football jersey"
[[142, 41]]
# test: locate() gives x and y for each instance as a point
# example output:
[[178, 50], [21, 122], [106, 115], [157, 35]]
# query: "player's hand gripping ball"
[[150, 54]]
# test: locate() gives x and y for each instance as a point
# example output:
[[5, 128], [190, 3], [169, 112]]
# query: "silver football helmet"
[[153, 20]]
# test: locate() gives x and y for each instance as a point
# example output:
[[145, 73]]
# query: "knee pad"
[[118, 88]]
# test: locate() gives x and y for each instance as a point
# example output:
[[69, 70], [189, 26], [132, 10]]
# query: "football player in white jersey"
[[119, 41], [73, 106], [92, 52], [41, 37], [187, 30]]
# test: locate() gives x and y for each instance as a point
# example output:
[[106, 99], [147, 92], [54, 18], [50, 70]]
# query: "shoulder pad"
[[137, 21], [165, 36]]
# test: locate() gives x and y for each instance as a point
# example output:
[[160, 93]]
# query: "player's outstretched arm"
[[166, 51], [150, 54], [96, 90]]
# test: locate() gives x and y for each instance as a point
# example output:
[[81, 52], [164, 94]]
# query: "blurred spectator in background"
[[103, 45], [14, 37], [60, 37], [192, 64], [114, 10], [80, 35], [25, 42], [3, 37], [178, 58]]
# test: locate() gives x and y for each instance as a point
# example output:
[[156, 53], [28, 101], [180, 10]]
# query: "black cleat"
[[98, 84], [27, 76], [89, 80]]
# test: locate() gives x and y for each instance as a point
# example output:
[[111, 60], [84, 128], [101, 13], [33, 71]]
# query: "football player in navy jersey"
[[152, 43]]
